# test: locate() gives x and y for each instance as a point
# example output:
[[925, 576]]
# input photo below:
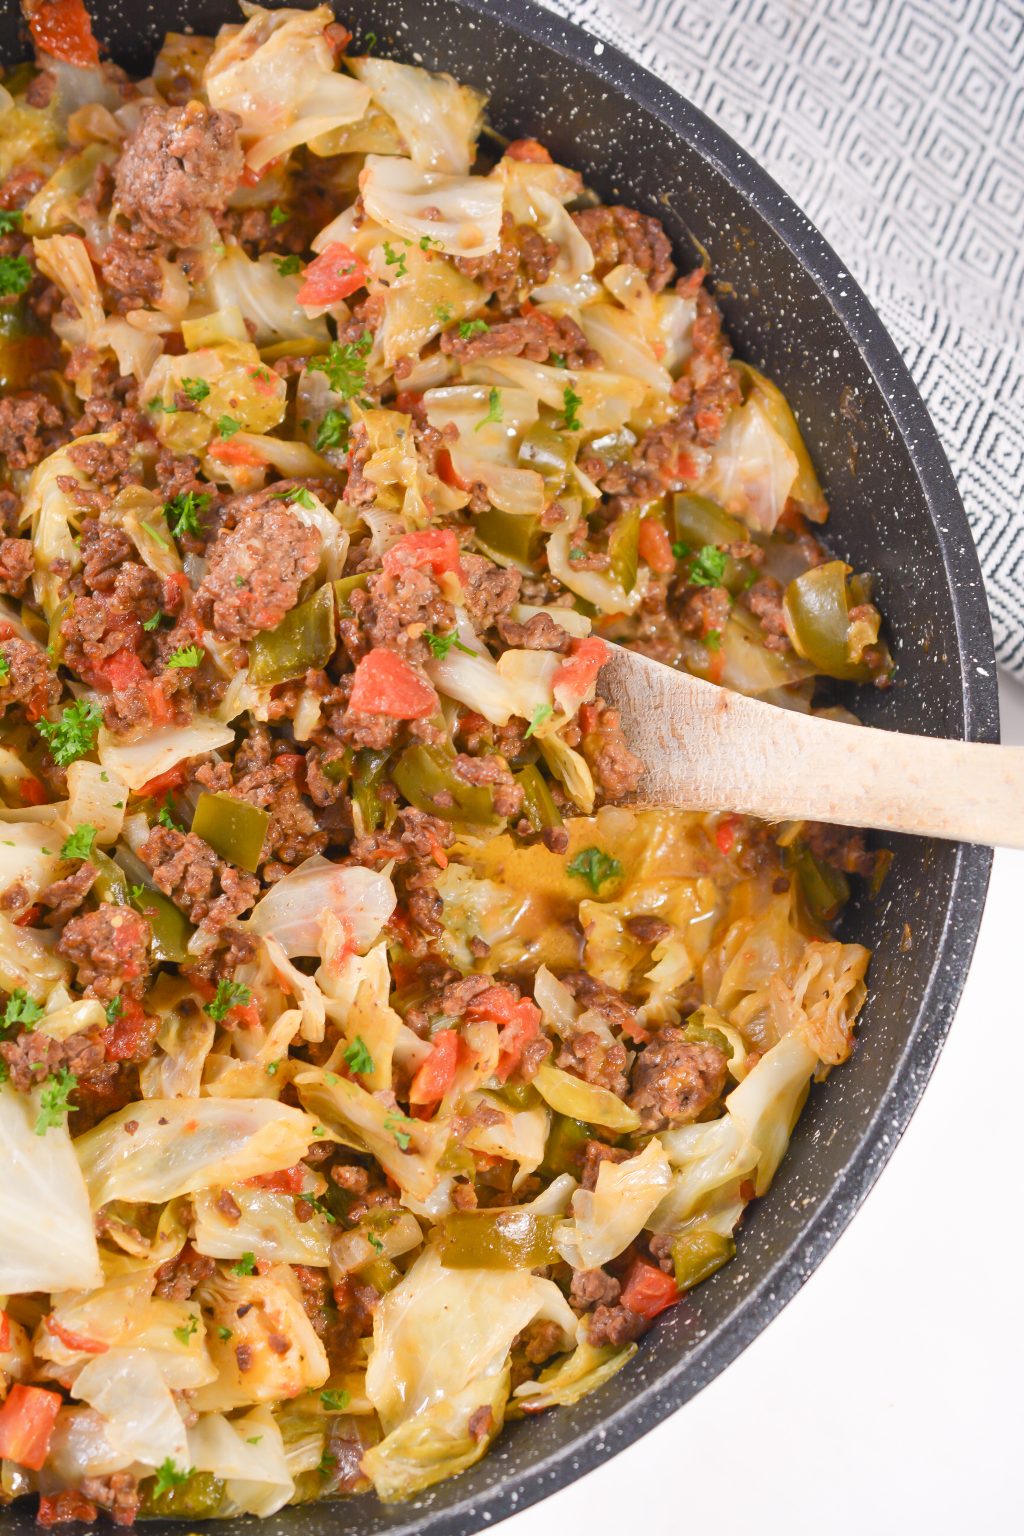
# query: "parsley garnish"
[[375, 1242], [558, 359], [165, 818], [185, 1332], [595, 867], [278, 216], [494, 409], [344, 366], [186, 656], [287, 266], [440, 645], [357, 1057], [571, 402], [299, 493], [321, 1207], [15, 275], [10, 219], [73, 735], [224, 1334], [246, 1264], [227, 426], [183, 512], [426, 241], [272, 1068], [169, 1475], [327, 1463], [713, 640], [681, 551], [53, 1101], [157, 406], [155, 535], [334, 1401], [153, 622], [21, 1009], [708, 567], [468, 328], [393, 1123], [79, 844], [113, 1010], [196, 389], [371, 41], [332, 432], [5, 668], [538, 717], [395, 259], [230, 994], [443, 313]]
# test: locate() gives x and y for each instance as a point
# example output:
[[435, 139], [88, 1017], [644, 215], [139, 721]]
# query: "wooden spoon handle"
[[708, 749]]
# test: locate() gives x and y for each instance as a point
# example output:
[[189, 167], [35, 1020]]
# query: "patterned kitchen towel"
[[898, 127]]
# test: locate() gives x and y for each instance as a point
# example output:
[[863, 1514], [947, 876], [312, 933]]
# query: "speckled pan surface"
[[793, 310]]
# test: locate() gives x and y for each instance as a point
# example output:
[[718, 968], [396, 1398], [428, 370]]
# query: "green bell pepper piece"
[[539, 806], [826, 889], [699, 522], [696, 1255], [111, 883], [303, 639], [233, 828], [171, 928], [566, 1142], [706, 1034], [624, 548], [197, 1499], [367, 774], [422, 773], [548, 452], [513, 536], [518, 1096], [508, 1239], [381, 1274], [816, 608]]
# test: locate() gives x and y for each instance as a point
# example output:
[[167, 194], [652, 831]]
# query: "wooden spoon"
[[706, 749]]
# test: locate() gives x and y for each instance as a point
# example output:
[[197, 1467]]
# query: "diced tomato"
[[162, 784], [5, 1331], [648, 1290], [32, 792], [436, 1074], [244, 1016], [76, 1341], [655, 546], [407, 400], [69, 1507], [29, 918], [335, 273], [122, 669], [437, 548], [530, 150], [264, 380], [578, 672], [176, 590], [287, 1181], [130, 1037], [230, 451], [63, 28], [26, 1424], [385, 684], [447, 473], [518, 1019], [725, 834]]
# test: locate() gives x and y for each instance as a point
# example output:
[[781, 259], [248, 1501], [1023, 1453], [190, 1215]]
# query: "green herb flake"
[[278, 216], [246, 1264], [440, 645], [165, 816], [558, 359], [393, 1124], [303, 497], [21, 1009], [468, 328], [327, 1463], [186, 656], [357, 1057], [153, 622], [708, 567], [495, 411], [183, 512], [227, 426], [288, 266], [15, 275], [375, 1242], [54, 1100], [113, 1010], [229, 994], [344, 365], [538, 717], [196, 389], [443, 314], [155, 535], [571, 403], [272, 1068], [595, 867], [426, 241], [74, 734], [224, 1333], [395, 259], [335, 1401], [681, 551], [321, 1207], [185, 1333], [158, 408], [332, 432], [79, 844], [713, 640], [5, 668], [169, 1475], [253, 1439], [10, 220]]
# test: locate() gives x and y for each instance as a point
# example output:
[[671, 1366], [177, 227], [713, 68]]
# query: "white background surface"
[[887, 1397]]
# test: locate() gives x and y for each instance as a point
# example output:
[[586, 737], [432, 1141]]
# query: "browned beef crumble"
[[110, 947], [523, 261], [617, 235], [256, 570], [179, 163], [674, 1080], [28, 678], [537, 336], [617, 771], [210, 891], [31, 427], [17, 562]]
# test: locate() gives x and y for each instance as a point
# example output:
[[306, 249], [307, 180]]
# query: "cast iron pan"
[[793, 310]]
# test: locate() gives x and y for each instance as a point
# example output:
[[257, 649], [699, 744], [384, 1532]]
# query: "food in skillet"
[[370, 1077]]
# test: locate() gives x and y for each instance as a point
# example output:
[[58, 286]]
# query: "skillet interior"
[[793, 310]]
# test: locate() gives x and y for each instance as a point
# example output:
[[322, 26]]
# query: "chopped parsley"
[[73, 735], [10, 219], [332, 432], [278, 216], [157, 406], [114, 1010], [272, 1068], [153, 622], [246, 1264], [681, 551], [468, 328], [253, 1439], [169, 1475], [357, 1057], [327, 1463], [321, 1207], [15, 275], [443, 313], [495, 411], [558, 359], [186, 656], [395, 259], [440, 645], [571, 403], [183, 512], [344, 366], [299, 494], [196, 389], [335, 1401], [79, 844], [708, 567], [371, 41], [165, 816], [224, 1334], [186, 1331], [393, 1124], [713, 640], [595, 867], [375, 1242], [54, 1100], [426, 241], [288, 266], [21, 1009], [5, 668], [229, 994], [538, 717], [227, 426]]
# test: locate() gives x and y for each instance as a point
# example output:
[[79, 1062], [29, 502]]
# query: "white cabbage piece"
[[607, 1218], [185, 1040], [397, 192], [752, 470], [441, 1343], [248, 1454], [64, 259], [48, 1238], [277, 73], [267, 1227], [438, 119], [27, 962], [136, 762], [597, 587], [408, 1150], [140, 1416], [183, 1145], [240, 386], [80, 1447], [51, 515], [293, 909], [520, 1135], [580, 1100], [369, 1017], [518, 683], [259, 1311], [124, 1314], [560, 1385], [97, 798], [623, 347], [263, 295], [29, 856]]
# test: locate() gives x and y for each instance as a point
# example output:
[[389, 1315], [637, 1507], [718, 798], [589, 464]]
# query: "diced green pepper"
[[702, 1033], [539, 806], [550, 453], [303, 639], [381, 1274], [111, 883], [55, 638], [518, 1095], [197, 1499], [816, 609], [806, 489], [171, 928], [423, 773], [696, 1255], [233, 828], [367, 774], [343, 589], [508, 1239], [624, 548], [566, 1141], [826, 889], [509, 535]]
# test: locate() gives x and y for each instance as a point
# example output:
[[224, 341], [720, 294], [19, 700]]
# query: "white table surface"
[[886, 1398]]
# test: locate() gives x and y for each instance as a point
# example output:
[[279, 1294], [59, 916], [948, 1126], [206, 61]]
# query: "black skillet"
[[793, 310]]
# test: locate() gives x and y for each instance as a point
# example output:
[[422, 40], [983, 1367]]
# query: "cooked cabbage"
[[292, 911], [397, 192], [161, 749], [263, 296], [248, 1455], [407, 1149], [139, 1414], [607, 1218], [258, 1312], [438, 118], [267, 1227]]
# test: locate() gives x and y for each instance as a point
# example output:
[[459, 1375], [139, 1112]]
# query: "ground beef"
[[293, 833], [354, 1321], [109, 466], [256, 570], [209, 890], [842, 848], [393, 611], [594, 1154], [28, 677], [523, 260], [647, 929], [617, 235], [179, 1277], [65, 896], [17, 562], [118, 1494], [539, 633], [589, 1055], [591, 1288], [110, 947], [617, 1326], [764, 599], [41, 88], [702, 610], [539, 1340], [68, 1507], [490, 590], [674, 1080], [613, 1007], [31, 426], [176, 165], [494, 773], [617, 771], [537, 336], [33, 1056], [131, 272]]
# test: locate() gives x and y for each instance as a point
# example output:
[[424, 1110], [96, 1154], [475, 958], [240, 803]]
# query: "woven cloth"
[[898, 127]]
